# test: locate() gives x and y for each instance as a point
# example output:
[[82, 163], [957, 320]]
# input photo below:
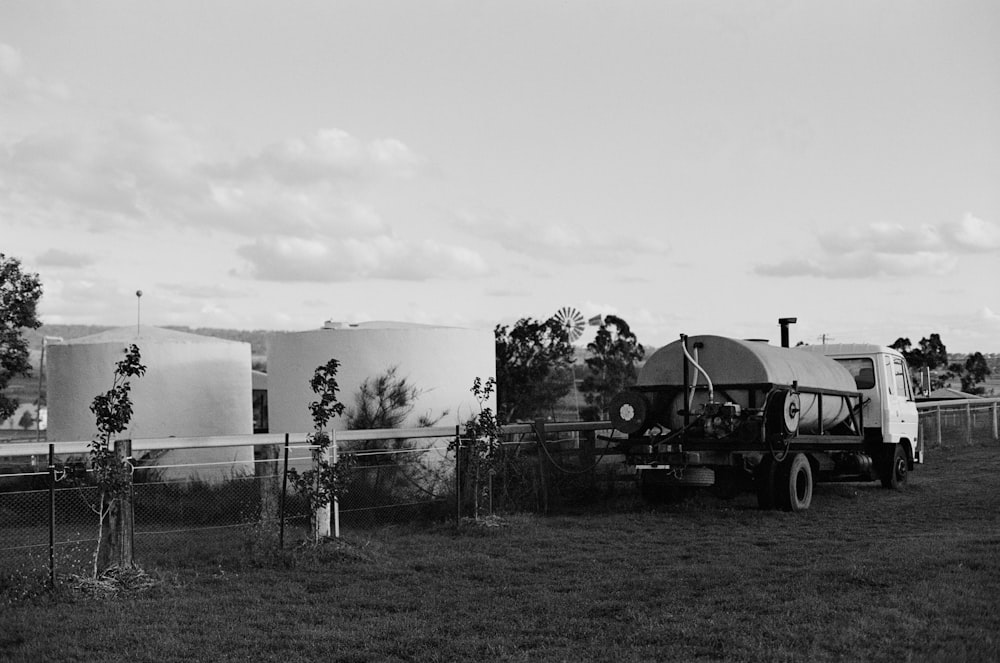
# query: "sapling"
[[326, 480], [483, 434], [113, 412]]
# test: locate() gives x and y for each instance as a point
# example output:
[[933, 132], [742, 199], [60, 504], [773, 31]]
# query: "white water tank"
[[441, 362], [194, 386]]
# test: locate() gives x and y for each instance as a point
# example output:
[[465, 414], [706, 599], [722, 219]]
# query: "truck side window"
[[899, 376], [862, 370]]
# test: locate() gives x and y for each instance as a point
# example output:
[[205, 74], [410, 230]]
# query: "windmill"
[[571, 320]]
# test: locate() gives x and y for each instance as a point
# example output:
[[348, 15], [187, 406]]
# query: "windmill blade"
[[572, 321]]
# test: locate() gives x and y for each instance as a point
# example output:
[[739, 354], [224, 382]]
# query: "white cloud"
[[973, 234], [147, 170], [989, 316], [327, 260], [884, 249], [885, 238], [16, 84], [59, 258], [558, 240]]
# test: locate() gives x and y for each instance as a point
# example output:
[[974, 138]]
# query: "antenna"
[[138, 299]]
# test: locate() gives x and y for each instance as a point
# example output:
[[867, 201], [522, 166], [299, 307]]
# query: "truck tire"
[[797, 483], [893, 469]]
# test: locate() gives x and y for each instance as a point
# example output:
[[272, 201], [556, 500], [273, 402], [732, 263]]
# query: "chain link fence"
[[188, 510], [50, 516]]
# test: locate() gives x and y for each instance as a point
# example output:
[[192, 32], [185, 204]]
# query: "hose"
[[711, 389]]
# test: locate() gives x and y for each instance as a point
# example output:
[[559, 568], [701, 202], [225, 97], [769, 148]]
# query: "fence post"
[[266, 471], [284, 491], [321, 514], [116, 546], [938, 411], [458, 475], [543, 469], [52, 515], [996, 432], [968, 424], [336, 500]]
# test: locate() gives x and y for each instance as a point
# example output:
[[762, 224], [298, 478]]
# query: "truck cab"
[[883, 378]]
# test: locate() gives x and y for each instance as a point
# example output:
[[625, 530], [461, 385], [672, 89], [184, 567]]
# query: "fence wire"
[[185, 509]]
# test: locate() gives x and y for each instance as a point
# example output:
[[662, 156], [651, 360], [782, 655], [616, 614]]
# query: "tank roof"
[[734, 361], [379, 324], [831, 349], [144, 334]]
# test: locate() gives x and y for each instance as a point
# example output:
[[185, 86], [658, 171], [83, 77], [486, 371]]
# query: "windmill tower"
[[572, 321]]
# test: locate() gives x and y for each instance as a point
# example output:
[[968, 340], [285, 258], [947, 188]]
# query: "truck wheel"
[[798, 484], [893, 470], [766, 477]]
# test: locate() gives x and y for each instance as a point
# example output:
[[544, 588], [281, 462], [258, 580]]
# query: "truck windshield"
[[862, 370]]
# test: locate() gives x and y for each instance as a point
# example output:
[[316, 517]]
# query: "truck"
[[745, 415]]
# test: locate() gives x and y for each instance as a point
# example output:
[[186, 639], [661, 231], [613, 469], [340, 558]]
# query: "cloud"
[[973, 234], [149, 170], [58, 258], [16, 84], [559, 241], [989, 316], [329, 155], [883, 249], [328, 260]]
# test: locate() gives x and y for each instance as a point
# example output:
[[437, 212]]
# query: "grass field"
[[865, 574]]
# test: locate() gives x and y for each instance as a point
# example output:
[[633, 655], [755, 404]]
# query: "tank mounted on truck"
[[743, 414]]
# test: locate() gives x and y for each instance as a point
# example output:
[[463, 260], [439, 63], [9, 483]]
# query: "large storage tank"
[[442, 362], [747, 369], [194, 386]]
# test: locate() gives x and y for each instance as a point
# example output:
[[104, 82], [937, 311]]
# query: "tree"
[[612, 365], [386, 401], [930, 354], [973, 372], [19, 295], [527, 357], [382, 402], [26, 421]]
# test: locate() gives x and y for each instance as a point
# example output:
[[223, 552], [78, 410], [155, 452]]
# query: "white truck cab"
[[883, 378]]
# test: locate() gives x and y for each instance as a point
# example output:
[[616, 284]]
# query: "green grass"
[[865, 574]]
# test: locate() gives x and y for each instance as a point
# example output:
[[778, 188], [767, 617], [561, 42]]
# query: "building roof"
[[947, 393]]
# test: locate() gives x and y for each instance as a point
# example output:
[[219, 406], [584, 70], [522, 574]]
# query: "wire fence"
[[185, 507], [959, 422], [182, 507]]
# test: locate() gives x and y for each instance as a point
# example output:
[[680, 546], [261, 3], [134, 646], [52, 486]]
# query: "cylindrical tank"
[[747, 367], [441, 362], [194, 386]]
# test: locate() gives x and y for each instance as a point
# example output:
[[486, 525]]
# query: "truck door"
[[900, 419]]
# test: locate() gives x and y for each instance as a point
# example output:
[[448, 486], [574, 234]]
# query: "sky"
[[695, 166]]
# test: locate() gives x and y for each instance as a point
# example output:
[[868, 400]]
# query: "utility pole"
[[826, 337]]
